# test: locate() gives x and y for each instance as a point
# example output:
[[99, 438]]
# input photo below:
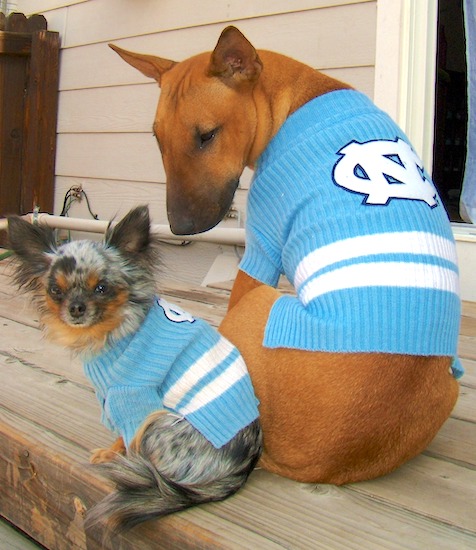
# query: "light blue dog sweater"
[[341, 205], [177, 363]]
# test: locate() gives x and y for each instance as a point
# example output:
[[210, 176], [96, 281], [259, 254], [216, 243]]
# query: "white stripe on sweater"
[[216, 388], [201, 368], [382, 274], [406, 242]]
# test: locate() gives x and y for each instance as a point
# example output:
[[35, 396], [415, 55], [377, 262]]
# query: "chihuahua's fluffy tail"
[[153, 481]]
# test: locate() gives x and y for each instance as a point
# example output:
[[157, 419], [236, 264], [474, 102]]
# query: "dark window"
[[451, 113]]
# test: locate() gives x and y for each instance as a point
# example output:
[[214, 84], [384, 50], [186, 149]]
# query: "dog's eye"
[[101, 288], [55, 291], [207, 137]]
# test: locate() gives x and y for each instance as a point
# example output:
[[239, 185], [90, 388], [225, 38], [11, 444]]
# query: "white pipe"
[[219, 235]]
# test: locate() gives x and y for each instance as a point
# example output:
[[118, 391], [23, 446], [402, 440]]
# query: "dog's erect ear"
[[31, 243], [148, 65], [132, 234], [234, 57]]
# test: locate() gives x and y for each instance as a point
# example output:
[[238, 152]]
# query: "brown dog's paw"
[[108, 454]]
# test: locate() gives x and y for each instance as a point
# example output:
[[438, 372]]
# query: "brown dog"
[[330, 412]]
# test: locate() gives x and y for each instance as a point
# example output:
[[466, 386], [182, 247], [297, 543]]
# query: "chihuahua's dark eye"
[[101, 288], [207, 137], [55, 291]]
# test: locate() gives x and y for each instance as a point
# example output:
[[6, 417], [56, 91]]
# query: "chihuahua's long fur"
[[90, 295]]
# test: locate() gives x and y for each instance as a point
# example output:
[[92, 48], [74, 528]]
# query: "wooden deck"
[[49, 421]]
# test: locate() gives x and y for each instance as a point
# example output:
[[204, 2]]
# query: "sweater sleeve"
[[258, 260], [127, 407]]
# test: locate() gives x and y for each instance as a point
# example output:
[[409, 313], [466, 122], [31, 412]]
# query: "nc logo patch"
[[174, 313], [383, 170]]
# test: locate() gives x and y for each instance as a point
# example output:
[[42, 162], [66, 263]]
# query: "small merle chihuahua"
[[176, 392]]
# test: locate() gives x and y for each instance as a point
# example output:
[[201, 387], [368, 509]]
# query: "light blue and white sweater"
[[177, 363], [341, 205]]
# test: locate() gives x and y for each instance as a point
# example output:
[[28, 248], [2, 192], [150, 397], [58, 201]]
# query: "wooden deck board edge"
[[48, 488]]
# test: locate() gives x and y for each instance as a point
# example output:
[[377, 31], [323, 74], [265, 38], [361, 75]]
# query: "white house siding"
[[106, 108]]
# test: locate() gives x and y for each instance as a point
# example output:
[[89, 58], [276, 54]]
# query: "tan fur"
[[333, 417], [108, 454], [326, 417], [248, 106], [77, 338]]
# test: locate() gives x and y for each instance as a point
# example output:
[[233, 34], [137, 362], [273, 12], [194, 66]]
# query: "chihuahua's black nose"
[[77, 309]]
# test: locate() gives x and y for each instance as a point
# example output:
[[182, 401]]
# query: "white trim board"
[[405, 68]]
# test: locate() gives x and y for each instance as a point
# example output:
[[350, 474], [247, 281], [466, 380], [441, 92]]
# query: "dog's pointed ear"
[[31, 244], [234, 57], [132, 234], [148, 65]]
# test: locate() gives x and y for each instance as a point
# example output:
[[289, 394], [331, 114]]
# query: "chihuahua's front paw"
[[108, 454], [99, 456]]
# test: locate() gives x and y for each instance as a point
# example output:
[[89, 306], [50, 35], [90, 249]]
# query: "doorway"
[[451, 109]]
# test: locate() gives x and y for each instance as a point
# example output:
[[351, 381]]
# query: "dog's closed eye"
[[206, 138]]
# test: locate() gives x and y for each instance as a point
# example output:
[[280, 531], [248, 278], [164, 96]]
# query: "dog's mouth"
[[199, 214], [78, 323]]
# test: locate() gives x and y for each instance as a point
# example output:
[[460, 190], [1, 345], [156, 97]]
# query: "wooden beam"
[[47, 488]]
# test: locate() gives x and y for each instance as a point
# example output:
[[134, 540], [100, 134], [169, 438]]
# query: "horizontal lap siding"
[[106, 108], [100, 20], [327, 39], [131, 108]]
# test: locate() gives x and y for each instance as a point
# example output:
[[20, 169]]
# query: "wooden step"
[[49, 422]]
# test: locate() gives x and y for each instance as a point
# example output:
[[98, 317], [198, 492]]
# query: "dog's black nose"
[[181, 223], [77, 309]]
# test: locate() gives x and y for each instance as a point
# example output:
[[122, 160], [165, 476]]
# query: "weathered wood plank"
[[469, 309], [201, 294], [14, 306], [53, 402], [425, 486], [465, 408], [468, 325], [46, 434], [24, 344], [467, 347], [47, 489], [328, 517], [456, 442], [269, 509], [40, 111], [15, 43], [469, 378]]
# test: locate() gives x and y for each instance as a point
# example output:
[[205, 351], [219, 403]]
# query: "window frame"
[[405, 68]]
